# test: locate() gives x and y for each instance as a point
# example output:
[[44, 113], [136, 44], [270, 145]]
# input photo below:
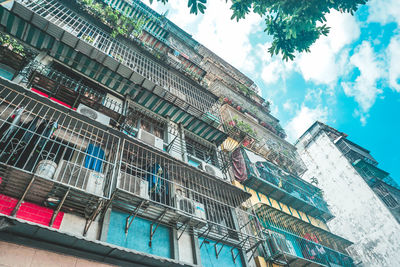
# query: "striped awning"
[[176, 114], [178, 111]]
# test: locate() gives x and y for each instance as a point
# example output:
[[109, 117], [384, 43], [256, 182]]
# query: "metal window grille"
[[63, 17]]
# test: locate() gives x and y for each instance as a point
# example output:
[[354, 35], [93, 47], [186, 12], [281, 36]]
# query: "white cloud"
[[215, 30], [273, 68], [393, 55], [327, 59], [304, 118], [290, 106], [364, 89], [384, 11], [227, 38]]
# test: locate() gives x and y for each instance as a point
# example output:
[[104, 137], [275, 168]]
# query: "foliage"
[[293, 24], [245, 90], [118, 21], [242, 126], [12, 44]]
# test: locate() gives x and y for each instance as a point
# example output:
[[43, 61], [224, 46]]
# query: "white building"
[[362, 197]]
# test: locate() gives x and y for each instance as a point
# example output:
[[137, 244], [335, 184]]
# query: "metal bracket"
[[170, 144], [133, 215], [253, 249], [234, 257], [184, 229], [16, 208], [217, 252], [204, 238], [92, 217], [155, 229], [55, 213]]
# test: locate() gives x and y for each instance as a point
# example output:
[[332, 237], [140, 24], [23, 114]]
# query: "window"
[[386, 197], [152, 126], [206, 154]]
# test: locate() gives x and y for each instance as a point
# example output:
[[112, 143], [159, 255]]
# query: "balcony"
[[72, 90], [53, 156], [153, 185], [246, 130], [49, 157], [138, 67], [354, 152], [295, 242], [272, 181], [297, 251]]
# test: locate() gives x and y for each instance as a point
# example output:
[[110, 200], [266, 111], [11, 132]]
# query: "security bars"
[[68, 20], [52, 156]]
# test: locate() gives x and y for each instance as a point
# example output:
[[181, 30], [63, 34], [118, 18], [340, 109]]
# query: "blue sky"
[[350, 80]]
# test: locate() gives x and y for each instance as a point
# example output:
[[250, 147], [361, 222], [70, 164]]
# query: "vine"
[[116, 20], [12, 44]]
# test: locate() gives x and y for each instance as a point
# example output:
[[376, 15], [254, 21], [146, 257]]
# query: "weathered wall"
[[225, 259], [138, 236], [361, 217], [75, 225], [13, 255]]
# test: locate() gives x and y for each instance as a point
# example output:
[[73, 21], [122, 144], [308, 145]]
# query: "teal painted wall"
[[6, 74], [139, 235], [225, 259]]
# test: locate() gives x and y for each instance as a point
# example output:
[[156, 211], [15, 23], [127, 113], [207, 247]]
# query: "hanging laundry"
[[158, 184], [239, 165], [45, 131], [94, 158], [17, 142]]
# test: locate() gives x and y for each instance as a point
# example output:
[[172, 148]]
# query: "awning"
[[110, 73], [31, 234]]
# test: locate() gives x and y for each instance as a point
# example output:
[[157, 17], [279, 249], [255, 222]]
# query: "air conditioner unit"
[[78, 176], [212, 170], [190, 206], [281, 244], [93, 114], [151, 139], [133, 184]]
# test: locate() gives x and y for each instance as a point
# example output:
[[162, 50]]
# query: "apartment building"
[[119, 141], [364, 198]]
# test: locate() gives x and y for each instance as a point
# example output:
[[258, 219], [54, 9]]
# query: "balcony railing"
[[40, 139], [245, 129], [68, 20], [46, 151], [303, 237], [272, 181], [69, 90], [296, 250]]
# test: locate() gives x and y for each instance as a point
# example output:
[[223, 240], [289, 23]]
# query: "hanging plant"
[[12, 44], [117, 21]]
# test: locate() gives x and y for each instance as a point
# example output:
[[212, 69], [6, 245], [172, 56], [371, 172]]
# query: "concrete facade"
[[13, 255], [360, 215]]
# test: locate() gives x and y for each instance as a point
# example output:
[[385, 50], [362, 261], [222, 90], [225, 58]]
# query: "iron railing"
[[277, 220], [291, 185], [44, 143], [56, 13], [56, 83], [300, 251]]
